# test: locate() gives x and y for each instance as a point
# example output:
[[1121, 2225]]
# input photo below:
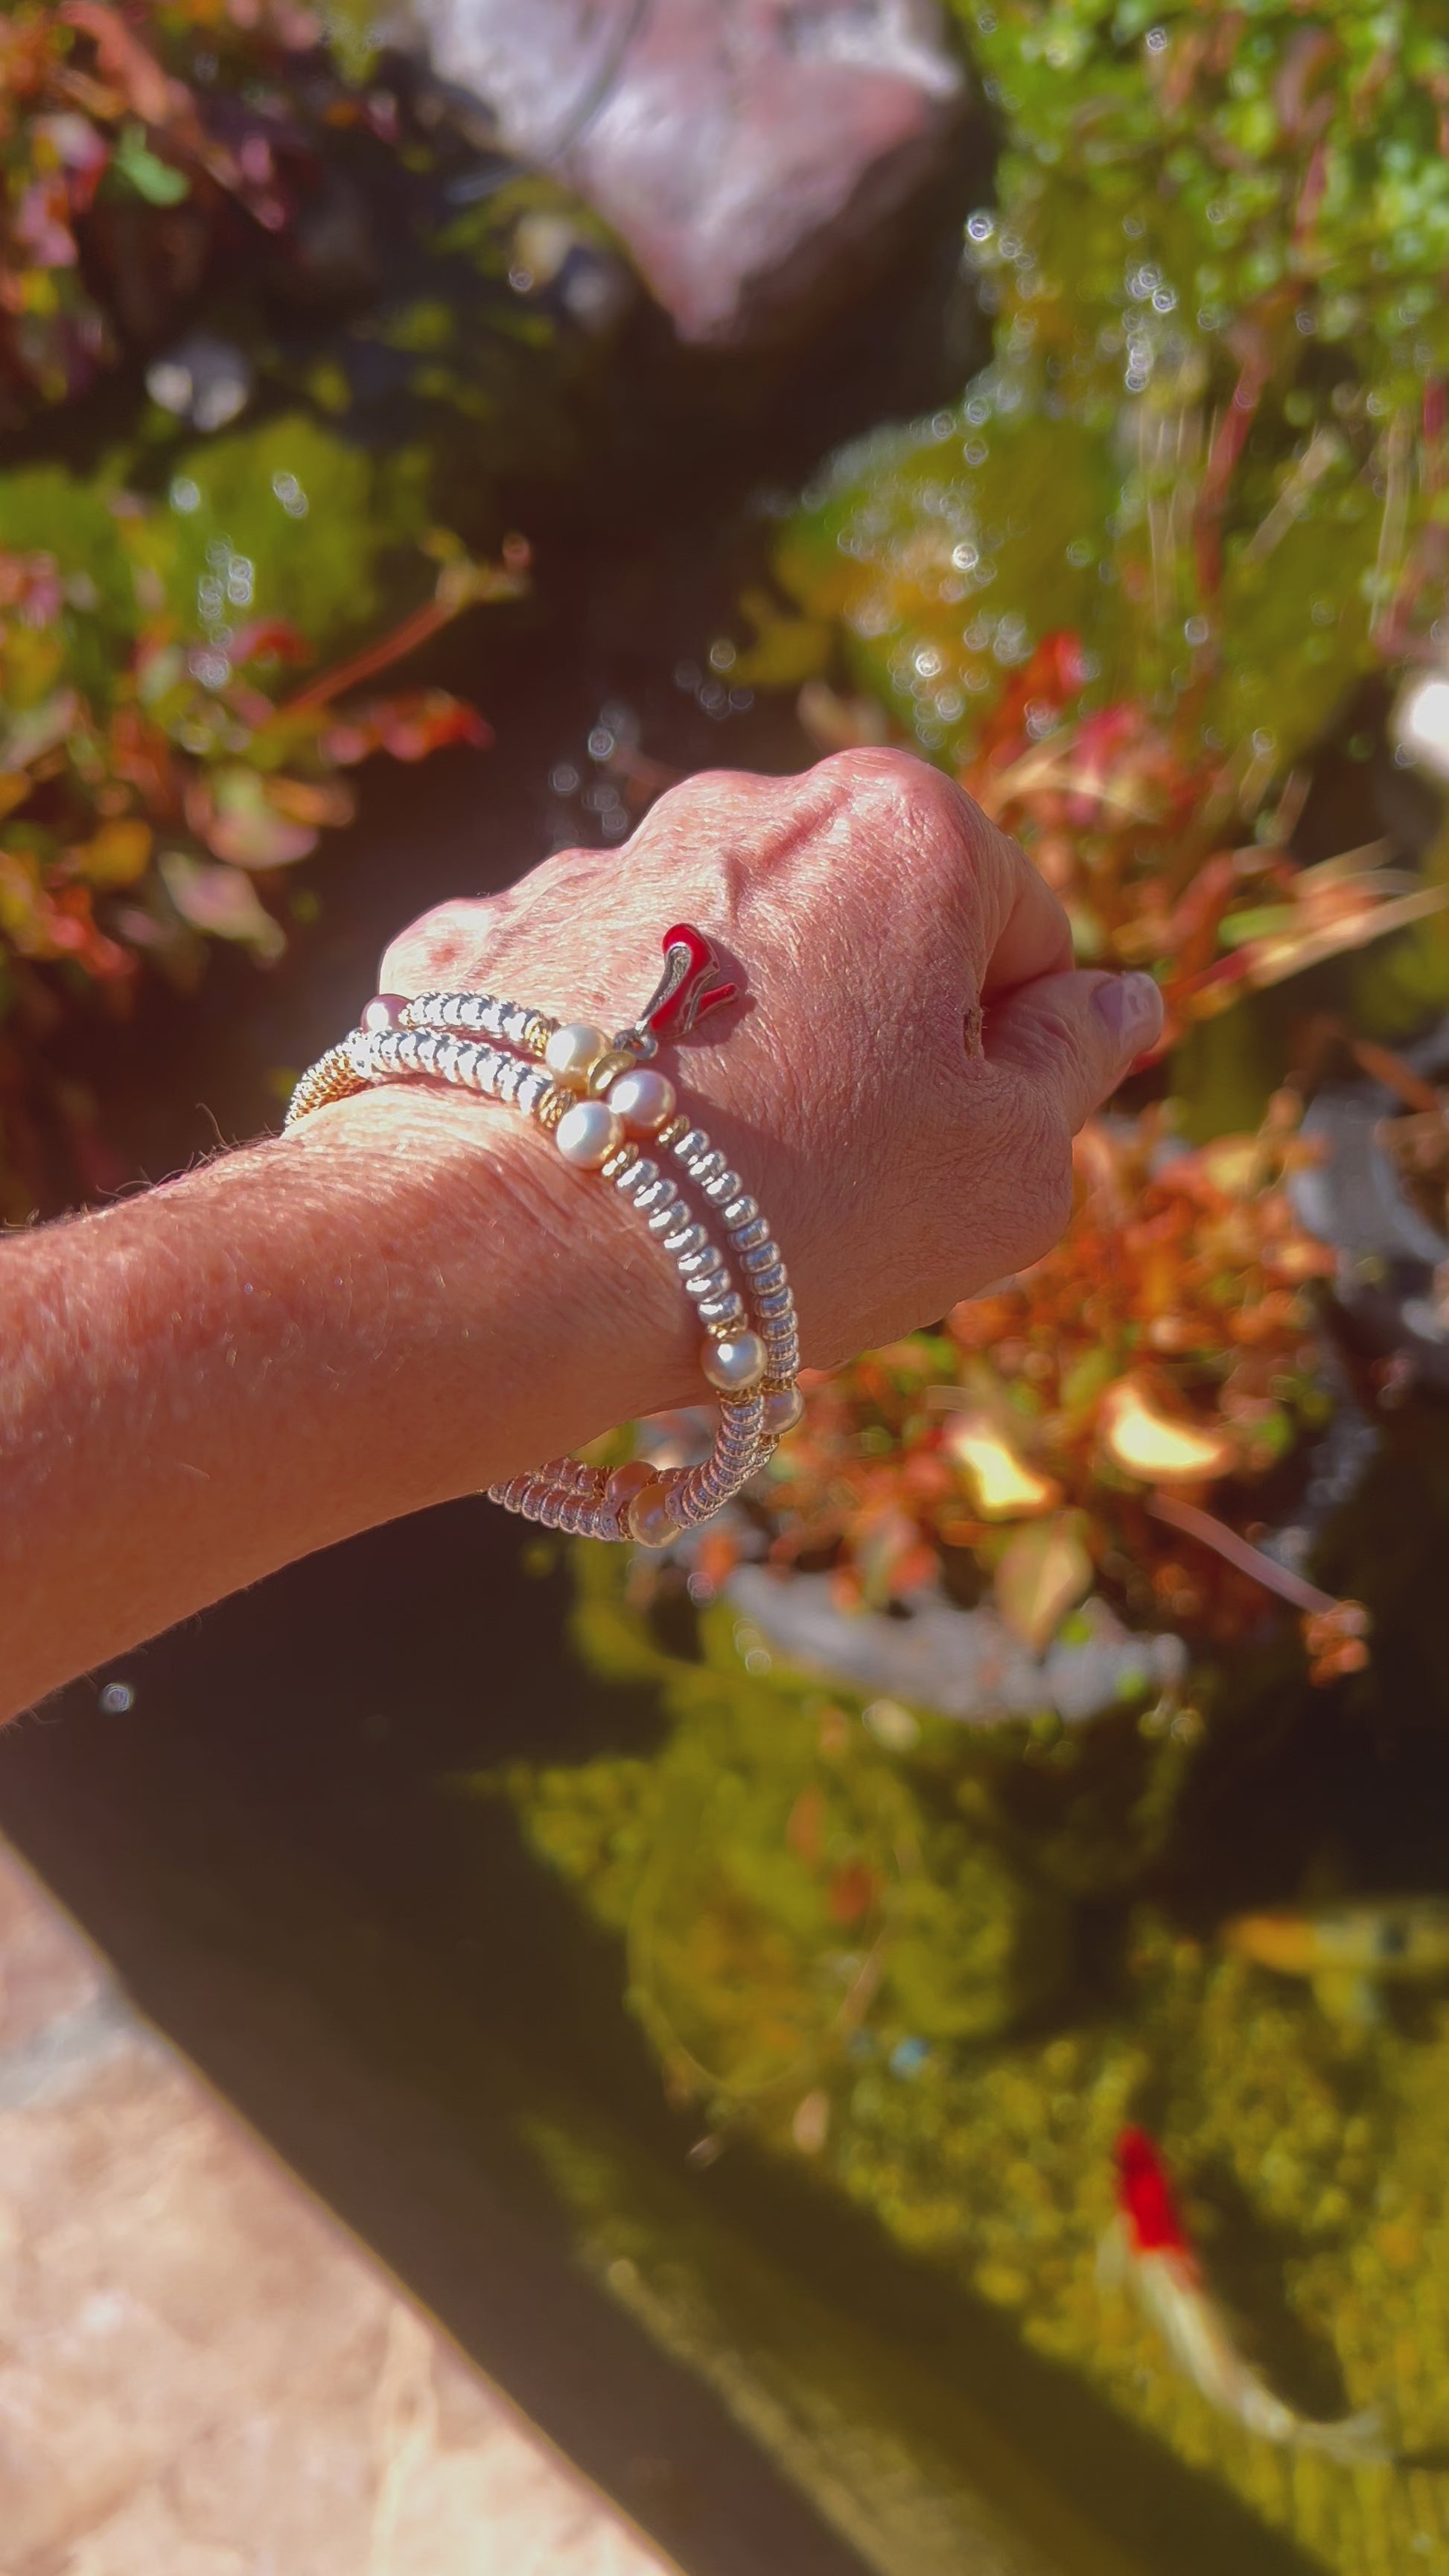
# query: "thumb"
[[1075, 1036]]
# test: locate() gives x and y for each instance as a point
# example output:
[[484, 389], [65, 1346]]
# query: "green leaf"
[[153, 179]]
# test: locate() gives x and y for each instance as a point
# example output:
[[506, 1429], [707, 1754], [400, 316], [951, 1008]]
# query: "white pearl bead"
[[736, 1365], [383, 1012], [651, 1521], [626, 1482], [572, 1053], [643, 1100], [783, 1410], [588, 1134]]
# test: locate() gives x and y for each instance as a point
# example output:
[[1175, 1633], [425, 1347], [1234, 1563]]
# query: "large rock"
[[748, 152]]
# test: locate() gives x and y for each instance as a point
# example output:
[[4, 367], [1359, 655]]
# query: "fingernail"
[[1131, 1005]]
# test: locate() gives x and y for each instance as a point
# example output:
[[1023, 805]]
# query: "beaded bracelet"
[[601, 1100]]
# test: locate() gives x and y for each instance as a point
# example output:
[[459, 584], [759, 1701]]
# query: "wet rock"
[[1391, 1258], [750, 156], [203, 380], [964, 1664]]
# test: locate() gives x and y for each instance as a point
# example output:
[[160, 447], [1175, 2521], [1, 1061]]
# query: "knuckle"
[[875, 776], [434, 948]]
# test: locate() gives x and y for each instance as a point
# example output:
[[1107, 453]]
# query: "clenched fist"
[[914, 1052]]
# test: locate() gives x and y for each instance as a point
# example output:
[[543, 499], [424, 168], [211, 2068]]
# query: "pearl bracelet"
[[602, 1102]]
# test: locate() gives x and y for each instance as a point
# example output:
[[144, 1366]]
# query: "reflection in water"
[[944, 1974]]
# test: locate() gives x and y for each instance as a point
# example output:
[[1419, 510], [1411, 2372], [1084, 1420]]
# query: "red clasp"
[[684, 992]]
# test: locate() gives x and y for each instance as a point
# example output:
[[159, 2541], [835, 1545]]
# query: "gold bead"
[[537, 1033], [553, 1105], [608, 1069], [670, 1133]]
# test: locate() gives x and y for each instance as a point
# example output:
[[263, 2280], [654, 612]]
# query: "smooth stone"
[[757, 159]]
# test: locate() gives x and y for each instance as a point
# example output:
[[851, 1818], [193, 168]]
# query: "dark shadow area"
[[374, 1970]]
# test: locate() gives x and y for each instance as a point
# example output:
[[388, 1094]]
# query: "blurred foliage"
[[160, 762], [1125, 585], [321, 281], [1126, 589], [1165, 1347]]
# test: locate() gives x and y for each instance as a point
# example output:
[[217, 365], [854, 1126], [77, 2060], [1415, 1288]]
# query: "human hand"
[[914, 1054]]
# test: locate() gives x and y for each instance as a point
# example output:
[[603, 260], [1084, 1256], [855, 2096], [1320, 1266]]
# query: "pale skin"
[[411, 1296]]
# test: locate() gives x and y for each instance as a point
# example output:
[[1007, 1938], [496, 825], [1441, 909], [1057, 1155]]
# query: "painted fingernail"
[[1131, 1005]]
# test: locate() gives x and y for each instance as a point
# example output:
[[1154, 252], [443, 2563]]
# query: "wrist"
[[531, 1291]]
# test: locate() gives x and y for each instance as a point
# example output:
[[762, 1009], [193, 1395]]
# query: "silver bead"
[[588, 1134], [572, 1053], [734, 1366], [642, 1099]]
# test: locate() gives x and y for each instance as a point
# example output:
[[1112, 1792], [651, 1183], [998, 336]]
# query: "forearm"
[[409, 1299]]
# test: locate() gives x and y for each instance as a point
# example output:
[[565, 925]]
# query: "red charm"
[[1145, 2197], [684, 993]]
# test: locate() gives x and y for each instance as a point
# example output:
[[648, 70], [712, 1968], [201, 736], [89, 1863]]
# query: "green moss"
[[877, 1965], [1200, 444]]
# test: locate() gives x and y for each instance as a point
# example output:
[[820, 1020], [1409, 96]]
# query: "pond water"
[[733, 2059]]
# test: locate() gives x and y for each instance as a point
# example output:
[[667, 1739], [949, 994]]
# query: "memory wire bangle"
[[598, 1101]]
